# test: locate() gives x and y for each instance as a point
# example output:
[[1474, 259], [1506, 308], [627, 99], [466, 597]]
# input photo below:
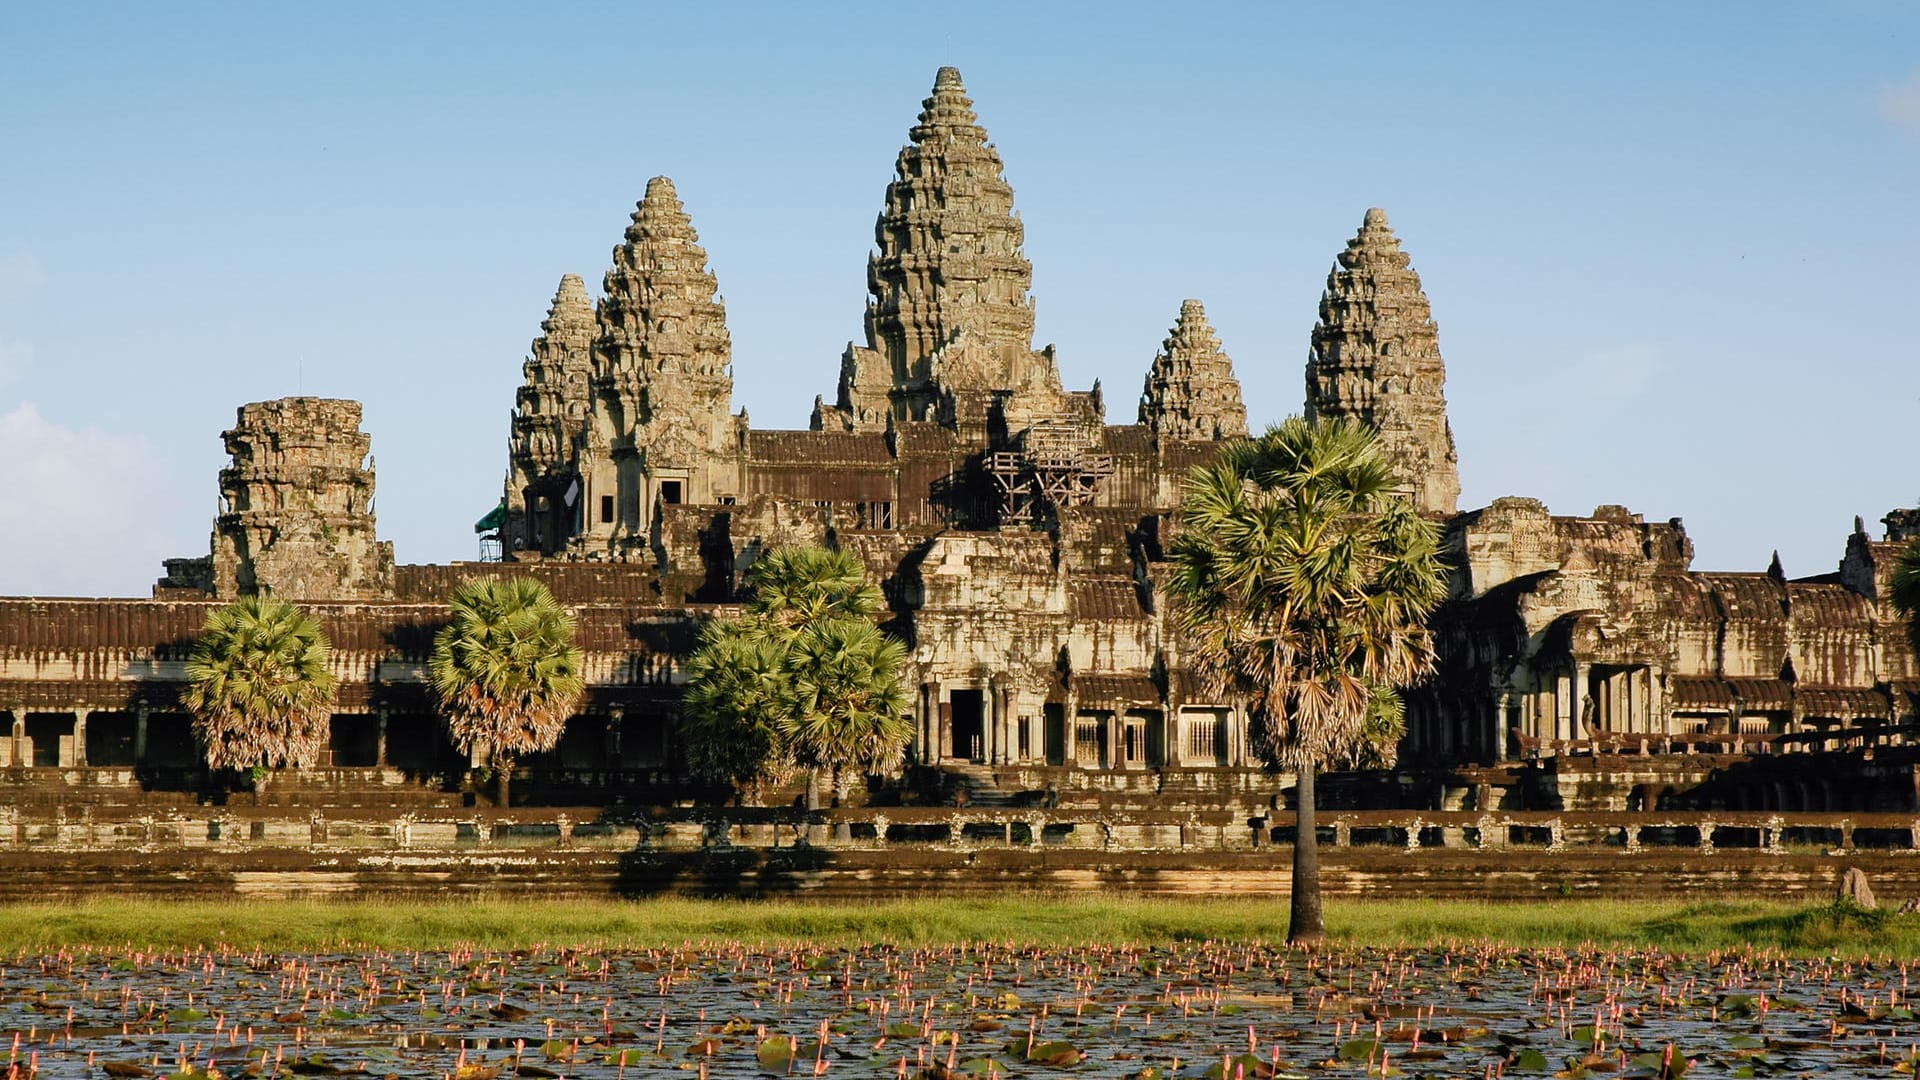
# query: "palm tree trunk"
[[842, 787], [503, 779], [1306, 924]]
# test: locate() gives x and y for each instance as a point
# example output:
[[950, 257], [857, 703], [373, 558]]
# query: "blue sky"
[[1670, 248]]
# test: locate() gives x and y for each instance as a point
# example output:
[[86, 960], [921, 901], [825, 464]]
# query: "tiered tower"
[[1191, 391], [549, 421], [1375, 357], [296, 514], [664, 383], [950, 309]]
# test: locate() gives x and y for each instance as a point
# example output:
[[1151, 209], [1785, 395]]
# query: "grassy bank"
[[1041, 920]]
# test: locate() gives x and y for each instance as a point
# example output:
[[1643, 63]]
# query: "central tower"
[[949, 308]]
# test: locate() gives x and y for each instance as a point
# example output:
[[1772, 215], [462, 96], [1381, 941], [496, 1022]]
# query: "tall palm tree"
[[1303, 585], [506, 671], [258, 687]]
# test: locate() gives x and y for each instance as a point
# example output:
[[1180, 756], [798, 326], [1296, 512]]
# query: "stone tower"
[[659, 431], [296, 515], [1375, 357], [1191, 390], [549, 422], [950, 309]]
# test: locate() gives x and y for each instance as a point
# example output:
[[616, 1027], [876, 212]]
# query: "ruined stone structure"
[[1019, 539], [296, 506], [1588, 628]]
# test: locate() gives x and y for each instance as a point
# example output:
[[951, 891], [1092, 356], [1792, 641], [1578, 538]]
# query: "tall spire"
[[662, 313], [550, 415], [1191, 391], [1375, 356], [950, 305], [552, 403], [663, 385]]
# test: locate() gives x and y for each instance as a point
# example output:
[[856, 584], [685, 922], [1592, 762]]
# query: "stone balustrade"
[[936, 829]]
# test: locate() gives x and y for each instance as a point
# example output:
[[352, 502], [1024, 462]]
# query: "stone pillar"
[[380, 737], [21, 749], [1574, 700], [996, 724], [80, 737], [1502, 708], [616, 721], [1070, 732], [140, 733], [927, 733]]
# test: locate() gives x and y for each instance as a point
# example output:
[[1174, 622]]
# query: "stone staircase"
[[982, 788]]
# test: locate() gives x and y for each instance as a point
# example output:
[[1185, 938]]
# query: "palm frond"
[[259, 686], [505, 668]]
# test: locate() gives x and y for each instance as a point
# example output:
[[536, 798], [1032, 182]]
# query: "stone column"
[[1502, 706], [996, 725], [1070, 731], [140, 733], [1575, 698], [1009, 737], [80, 737], [925, 749], [616, 721], [19, 737], [380, 737]]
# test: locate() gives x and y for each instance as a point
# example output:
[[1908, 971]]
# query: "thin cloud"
[[1900, 105], [15, 358], [74, 498], [1620, 372], [20, 274]]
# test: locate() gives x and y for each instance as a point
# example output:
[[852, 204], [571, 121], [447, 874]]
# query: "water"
[[726, 1009]]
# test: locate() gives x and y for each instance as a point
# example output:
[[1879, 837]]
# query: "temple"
[[1018, 535]]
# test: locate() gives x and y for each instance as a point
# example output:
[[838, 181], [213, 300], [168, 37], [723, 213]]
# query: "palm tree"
[[1303, 585], [739, 695], [851, 703], [804, 679], [506, 671], [258, 687]]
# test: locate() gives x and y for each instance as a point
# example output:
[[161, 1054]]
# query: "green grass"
[[294, 925]]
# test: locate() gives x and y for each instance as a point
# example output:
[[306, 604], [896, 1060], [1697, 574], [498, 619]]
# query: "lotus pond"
[[722, 1008]]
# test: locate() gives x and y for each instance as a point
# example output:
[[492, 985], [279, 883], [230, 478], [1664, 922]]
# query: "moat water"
[[726, 1009]]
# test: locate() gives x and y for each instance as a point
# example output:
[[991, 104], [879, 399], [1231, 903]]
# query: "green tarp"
[[495, 518]]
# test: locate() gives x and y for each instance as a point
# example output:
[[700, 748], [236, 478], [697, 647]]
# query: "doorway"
[[969, 725]]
